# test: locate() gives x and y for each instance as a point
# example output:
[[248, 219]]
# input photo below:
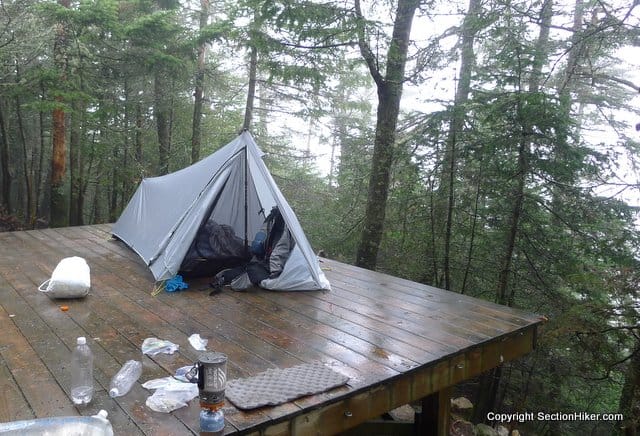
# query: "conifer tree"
[[389, 77]]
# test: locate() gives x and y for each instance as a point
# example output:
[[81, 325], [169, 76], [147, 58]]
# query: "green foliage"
[[152, 30], [219, 30]]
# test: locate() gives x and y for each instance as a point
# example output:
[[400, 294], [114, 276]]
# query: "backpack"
[[270, 247], [268, 235]]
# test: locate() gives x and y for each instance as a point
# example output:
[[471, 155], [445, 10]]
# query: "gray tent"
[[232, 187]]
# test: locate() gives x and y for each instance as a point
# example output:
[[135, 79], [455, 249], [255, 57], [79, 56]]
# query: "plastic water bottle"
[[211, 420], [96, 425], [81, 372], [124, 379]]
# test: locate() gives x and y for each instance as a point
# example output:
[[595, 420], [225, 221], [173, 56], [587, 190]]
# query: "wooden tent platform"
[[397, 340]]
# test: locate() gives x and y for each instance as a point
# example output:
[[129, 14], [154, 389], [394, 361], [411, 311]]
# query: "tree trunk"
[[514, 219], [58, 208], [486, 395], [577, 47], [561, 148], [251, 92], [163, 120], [98, 197], [138, 138], [387, 116], [524, 150], [196, 133], [630, 396], [28, 177], [39, 176], [75, 170], [389, 94], [467, 61], [88, 172], [59, 205], [114, 188], [26, 155], [126, 180], [264, 102], [4, 163], [432, 278], [487, 399], [472, 237]]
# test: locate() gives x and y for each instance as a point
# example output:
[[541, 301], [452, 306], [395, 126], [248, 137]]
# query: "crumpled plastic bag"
[[170, 394], [197, 342], [167, 400], [153, 346], [158, 383]]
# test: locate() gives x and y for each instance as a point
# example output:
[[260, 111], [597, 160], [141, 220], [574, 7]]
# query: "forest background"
[[502, 174]]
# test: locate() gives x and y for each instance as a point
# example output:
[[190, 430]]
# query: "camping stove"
[[212, 378]]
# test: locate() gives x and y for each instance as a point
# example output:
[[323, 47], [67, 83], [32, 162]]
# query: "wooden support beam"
[[444, 411], [434, 418]]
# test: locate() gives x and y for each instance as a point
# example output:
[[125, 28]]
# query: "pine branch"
[[625, 82], [320, 46], [611, 367], [630, 328], [365, 50]]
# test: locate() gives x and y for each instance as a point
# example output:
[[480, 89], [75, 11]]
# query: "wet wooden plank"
[[139, 321], [85, 318], [313, 333], [349, 320], [431, 325], [194, 318], [43, 393], [373, 280], [397, 340], [283, 334], [58, 338], [13, 405], [320, 327], [447, 312], [228, 313]]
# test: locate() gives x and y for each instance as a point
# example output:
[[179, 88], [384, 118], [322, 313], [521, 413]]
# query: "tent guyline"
[[201, 220]]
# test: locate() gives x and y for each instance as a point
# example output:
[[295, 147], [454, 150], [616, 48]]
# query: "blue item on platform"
[[210, 421], [175, 284]]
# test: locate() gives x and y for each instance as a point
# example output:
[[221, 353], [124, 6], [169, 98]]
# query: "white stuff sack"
[[70, 279]]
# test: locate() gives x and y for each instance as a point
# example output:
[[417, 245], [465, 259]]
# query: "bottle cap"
[[81, 340], [113, 392], [102, 414]]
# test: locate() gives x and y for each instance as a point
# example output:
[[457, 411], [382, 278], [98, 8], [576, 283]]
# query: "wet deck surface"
[[398, 341]]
